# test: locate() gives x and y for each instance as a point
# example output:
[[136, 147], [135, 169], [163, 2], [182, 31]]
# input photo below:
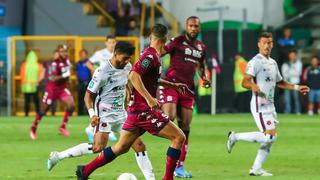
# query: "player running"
[[59, 73], [101, 58], [186, 54], [109, 82], [143, 114], [262, 76]]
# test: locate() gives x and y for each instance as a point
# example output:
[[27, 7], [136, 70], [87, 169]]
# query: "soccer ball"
[[127, 176]]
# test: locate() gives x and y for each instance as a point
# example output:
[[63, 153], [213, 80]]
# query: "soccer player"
[[100, 58], [143, 114], [186, 54], [262, 76], [109, 82], [59, 73]]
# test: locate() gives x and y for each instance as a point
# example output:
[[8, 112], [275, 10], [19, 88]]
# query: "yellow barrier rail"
[[77, 43]]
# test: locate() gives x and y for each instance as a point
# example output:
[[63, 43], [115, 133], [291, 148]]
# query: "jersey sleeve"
[[169, 48], [144, 64], [96, 81], [95, 58], [252, 68]]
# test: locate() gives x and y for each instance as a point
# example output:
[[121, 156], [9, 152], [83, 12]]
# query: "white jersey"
[[110, 85], [101, 57], [266, 74]]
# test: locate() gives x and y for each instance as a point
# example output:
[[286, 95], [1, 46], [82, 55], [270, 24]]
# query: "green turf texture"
[[295, 155]]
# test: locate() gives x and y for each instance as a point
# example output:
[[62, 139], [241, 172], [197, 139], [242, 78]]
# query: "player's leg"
[[100, 142], [265, 125], [126, 140], [266, 122], [175, 135], [168, 98], [43, 109], [184, 114], [67, 98], [184, 121], [143, 160]]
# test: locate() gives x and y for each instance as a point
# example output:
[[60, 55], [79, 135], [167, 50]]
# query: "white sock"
[[251, 137], [262, 155], [79, 150], [145, 165]]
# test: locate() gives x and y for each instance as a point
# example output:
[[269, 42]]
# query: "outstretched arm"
[[285, 85]]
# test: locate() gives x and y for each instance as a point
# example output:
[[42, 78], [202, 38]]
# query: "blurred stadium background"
[[228, 27]]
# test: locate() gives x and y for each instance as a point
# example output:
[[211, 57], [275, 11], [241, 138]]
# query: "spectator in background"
[[286, 40], [291, 72], [312, 78], [84, 76], [122, 23], [112, 7], [242, 94], [135, 9], [30, 74], [285, 43], [133, 28]]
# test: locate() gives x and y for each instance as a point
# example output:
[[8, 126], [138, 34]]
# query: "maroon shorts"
[[51, 95], [169, 95], [151, 120]]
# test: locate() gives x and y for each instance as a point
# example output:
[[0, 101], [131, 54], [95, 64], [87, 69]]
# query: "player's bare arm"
[[301, 88], [203, 76], [137, 83], [89, 104], [248, 83], [129, 88], [90, 67], [181, 87]]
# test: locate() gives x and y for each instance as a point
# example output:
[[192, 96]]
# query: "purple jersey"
[[59, 67], [149, 68], [185, 57]]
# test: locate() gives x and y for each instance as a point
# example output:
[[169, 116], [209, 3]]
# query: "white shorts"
[[111, 122], [265, 121]]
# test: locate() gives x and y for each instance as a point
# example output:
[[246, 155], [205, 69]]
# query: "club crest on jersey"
[[145, 63]]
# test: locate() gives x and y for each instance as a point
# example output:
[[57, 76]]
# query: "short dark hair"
[[265, 35], [159, 30], [110, 37], [192, 17], [84, 50], [314, 56], [292, 51], [124, 47]]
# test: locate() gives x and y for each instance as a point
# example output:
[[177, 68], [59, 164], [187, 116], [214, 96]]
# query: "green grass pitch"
[[295, 155]]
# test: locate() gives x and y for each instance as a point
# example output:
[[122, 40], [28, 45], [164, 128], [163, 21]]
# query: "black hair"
[[84, 50], [292, 51], [265, 35], [124, 47], [159, 30], [110, 37], [314, 56], [192, 17]]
